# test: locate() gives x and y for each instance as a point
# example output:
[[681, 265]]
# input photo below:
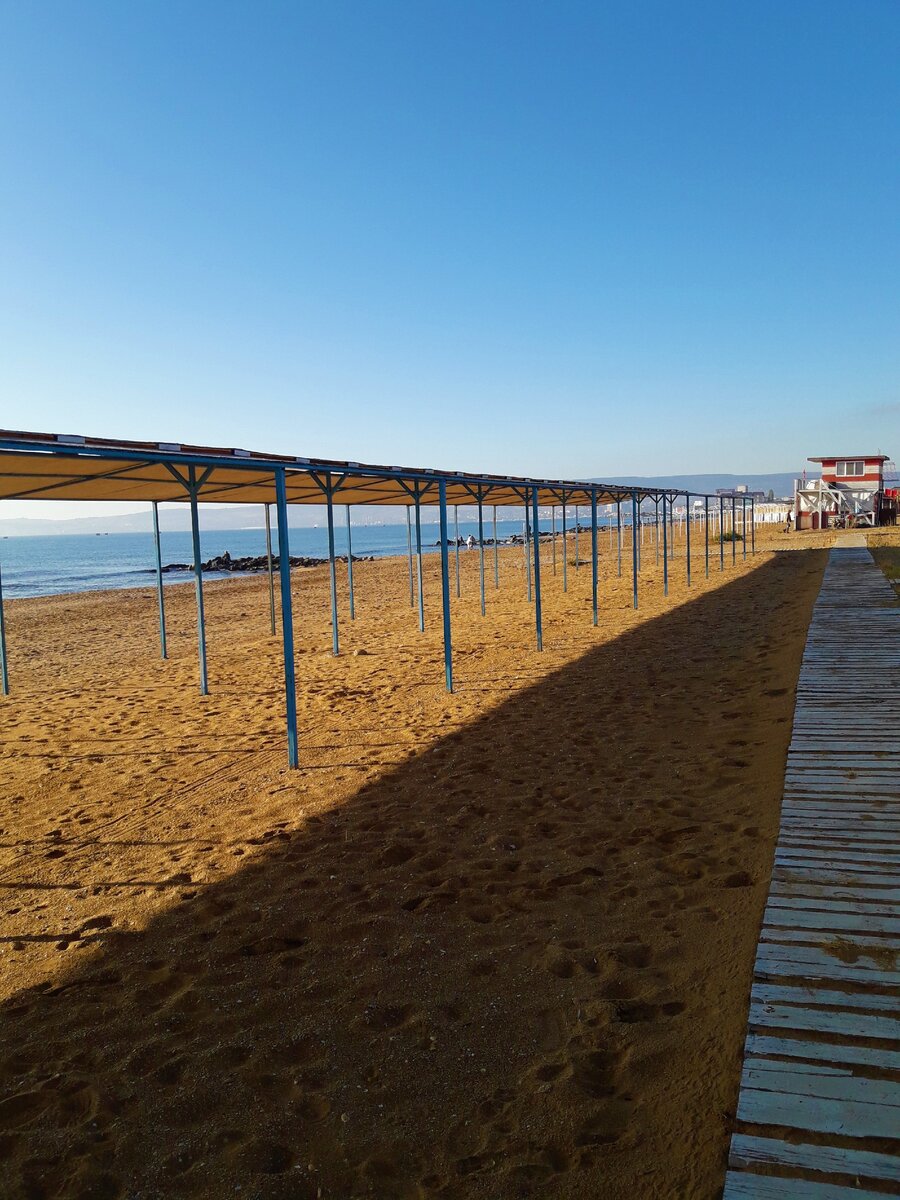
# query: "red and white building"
[[851, 491]]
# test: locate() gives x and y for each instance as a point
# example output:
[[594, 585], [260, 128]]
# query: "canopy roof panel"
[[43, 466]]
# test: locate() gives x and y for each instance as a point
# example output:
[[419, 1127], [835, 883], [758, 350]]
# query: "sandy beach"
[[492, 945]]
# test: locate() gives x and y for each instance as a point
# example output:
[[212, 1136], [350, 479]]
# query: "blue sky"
[[583, 239]]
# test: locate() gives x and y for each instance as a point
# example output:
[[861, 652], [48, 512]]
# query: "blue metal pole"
[[496, 552], [634, 570], [481, 548], [619, 534], [445, 585], [332, 566], [594, 552], [656, 527], [419, 562], [527, 551], [733, 531], [721, 534], [537, 571], [752, 525], [565, 547], [350, 566], [269, 567], [671, 526], [412, 597], [687, 533], [456, 531], [665, 526], [744, 524], [163, 653], [4, 666], [553, 533], [198, 581], [577, 560], [287, 616], [706, 532]]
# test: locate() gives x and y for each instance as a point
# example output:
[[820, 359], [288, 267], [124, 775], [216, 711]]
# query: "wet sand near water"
[[494, 944]]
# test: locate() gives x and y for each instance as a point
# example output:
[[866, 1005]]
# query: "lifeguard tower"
[[850, 492]]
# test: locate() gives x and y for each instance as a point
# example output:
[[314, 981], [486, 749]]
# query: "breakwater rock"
[[247, 565]]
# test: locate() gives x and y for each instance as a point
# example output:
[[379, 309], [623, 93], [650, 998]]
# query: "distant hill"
[[249, 516], [780, 482]]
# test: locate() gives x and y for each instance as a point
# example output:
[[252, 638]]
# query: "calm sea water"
[[46, 565]]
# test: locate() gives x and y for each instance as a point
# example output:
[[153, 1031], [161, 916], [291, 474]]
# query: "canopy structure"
[[43, 466], [40, 466]]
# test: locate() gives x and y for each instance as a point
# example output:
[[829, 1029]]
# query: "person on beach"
[[470, 542]]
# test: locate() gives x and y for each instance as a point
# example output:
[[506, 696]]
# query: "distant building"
[[741, 490], [851, 491]]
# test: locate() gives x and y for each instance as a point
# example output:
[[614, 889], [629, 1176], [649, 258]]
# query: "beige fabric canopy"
[[41, 466]]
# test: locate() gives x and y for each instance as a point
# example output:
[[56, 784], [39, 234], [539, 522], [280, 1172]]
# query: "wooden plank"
[[786, 993], [835, 905], [824, 876], [809, 962], [749, 1151], [798, 918], [835, 891], [875, 946], [818, 1114], [822, 1020], [830, 1052], [744, 1185]]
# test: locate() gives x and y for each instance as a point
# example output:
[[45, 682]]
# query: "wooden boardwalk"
[[819, 1109]]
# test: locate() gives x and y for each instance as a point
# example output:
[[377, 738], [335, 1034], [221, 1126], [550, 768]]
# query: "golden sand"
[[495, 944]]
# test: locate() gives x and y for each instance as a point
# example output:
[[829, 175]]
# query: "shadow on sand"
[[516, 965]]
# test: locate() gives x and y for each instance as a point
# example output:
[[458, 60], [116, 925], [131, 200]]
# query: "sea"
[[46, 565]]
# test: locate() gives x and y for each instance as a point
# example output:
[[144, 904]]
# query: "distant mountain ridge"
[[249, 516]]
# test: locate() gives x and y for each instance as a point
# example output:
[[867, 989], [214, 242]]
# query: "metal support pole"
[[163, 653], [706, 532], [412, 595], [619, 536], [553, 533], [634, 569], [721, 534], [744, 524], [665, 527], [456, 534], [565, 548], [198, 581], [445, 585], [752, 525], [350, 566], [4, 665], [671, 526], [496, 552], [481, 548], [269, 567], [733, 531], [656, 527], [537, 572], [527, 550], [419, 563], [687, 534], [287, 616], [332, 566], [577, 559], [594, 552]]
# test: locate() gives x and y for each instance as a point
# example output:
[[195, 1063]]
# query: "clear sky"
[[573, 239]]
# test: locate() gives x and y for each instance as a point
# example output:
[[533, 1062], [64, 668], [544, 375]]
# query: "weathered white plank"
[[818, 1114], [809, 962], [787, 994], [837, 906], [822, 1020], [797, 888], [828, 1160], [825, 876], [744, 1185], [830, 1052], [845, 922]]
